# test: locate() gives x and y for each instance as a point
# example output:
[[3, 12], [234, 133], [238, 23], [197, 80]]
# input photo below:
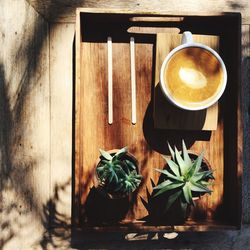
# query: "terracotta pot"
[[101, 188]]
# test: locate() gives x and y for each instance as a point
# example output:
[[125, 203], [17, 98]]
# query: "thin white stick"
[[133, 80], [110, 82]]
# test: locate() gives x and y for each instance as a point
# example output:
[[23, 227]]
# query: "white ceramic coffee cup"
[[187, 41]]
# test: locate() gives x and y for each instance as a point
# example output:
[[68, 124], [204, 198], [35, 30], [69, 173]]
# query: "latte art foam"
[[193, 76]]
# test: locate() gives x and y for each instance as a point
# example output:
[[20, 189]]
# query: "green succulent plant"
[[118, 173], [184, 178]]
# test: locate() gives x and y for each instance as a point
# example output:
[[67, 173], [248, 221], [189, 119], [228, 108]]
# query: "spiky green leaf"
[[168, 187], [138, 176], [111, 176], [100, 170], [191, 170], [206, 183], [172, 198], [198, 162], [187, 193], [120, 153], [183, 204], [130, 164], [185, 154], [183, 166], [116, 178], [163, 184], [117, 166], [171, 176], [202, 175], [103, 161], [105, 154], [174, 167], [196, 187], [171, 152]]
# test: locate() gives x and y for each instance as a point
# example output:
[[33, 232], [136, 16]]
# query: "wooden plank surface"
[[61, 87], [78, 123], [24, 125], [64, 11], [17, 16], [166, 115], [143, 140]]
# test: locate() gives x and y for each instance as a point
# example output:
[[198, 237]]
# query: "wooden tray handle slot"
[[155, 19], [152, 30]]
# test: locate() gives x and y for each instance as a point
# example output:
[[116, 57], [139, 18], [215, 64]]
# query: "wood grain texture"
[[78, 124], [24, 125], [93, 131], [166, 115], [23, 226], [61, 88], [64, 11]]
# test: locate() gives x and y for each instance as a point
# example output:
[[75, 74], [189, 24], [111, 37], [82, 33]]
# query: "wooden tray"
[[223, 147]]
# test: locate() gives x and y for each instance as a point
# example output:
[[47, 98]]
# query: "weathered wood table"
[[36, 112]]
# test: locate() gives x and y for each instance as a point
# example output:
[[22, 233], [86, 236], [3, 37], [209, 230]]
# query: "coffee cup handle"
[[187, 37]]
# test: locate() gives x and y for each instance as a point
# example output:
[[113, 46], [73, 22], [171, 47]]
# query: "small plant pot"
[[109, 192], [175, 215]]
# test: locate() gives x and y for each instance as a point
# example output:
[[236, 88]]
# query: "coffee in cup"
[[193, 76]]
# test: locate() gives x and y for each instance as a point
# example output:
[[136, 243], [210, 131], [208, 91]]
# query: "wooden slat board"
[[166, 115], [61, 88], [64, 11], [93, 132], [24, 125]]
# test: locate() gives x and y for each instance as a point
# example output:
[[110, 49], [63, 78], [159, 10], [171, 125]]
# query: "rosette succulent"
[[118, 172], [184, 178]]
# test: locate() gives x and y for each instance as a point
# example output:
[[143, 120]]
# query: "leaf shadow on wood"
[[20, 81], [20, 78], [141, 146], [18, 198], [59, 231]]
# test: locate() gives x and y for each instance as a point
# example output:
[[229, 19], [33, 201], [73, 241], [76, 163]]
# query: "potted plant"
[[185, 178], [117, 173]]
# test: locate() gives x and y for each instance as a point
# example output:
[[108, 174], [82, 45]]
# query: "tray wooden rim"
[[153, 13], [239, 134]]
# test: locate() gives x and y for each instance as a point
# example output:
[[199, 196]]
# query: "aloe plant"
[[118, 173], [183, 178]]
